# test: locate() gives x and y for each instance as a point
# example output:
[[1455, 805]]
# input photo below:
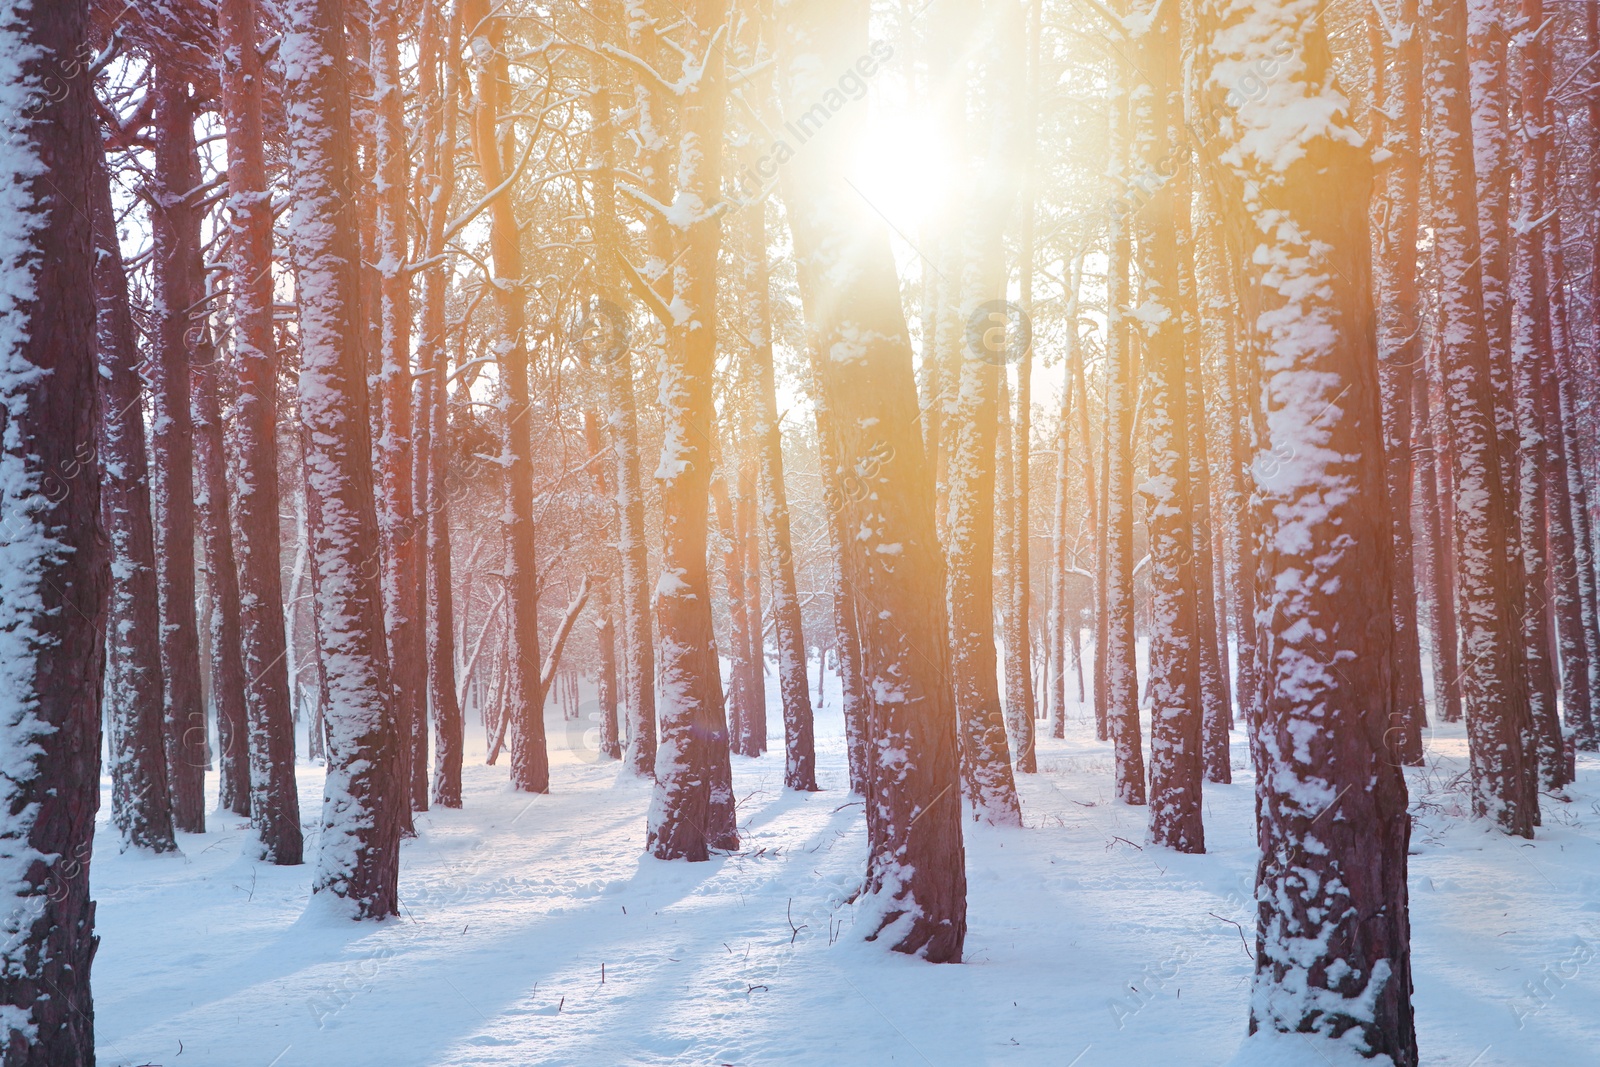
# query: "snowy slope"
[[1085, 947]]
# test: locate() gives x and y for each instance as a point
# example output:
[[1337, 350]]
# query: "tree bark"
[[274, 801], [52, 545], [1397, 119], [1444, 637], [1177, 713], [692, 809], [800, 768], [222, 577], [915, 885], [436, 181], [1493, 683], [363, 803], [1116, 671], [1332, 934], [398, 518], [178, 288], [639, 671], [530, 759], [141, 807]]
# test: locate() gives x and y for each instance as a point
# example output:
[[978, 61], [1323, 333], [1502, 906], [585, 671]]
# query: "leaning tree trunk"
[[1493, 684], [530, 759], [915, 885], [274, 801], [212, 505], [800, 768], [178, 288], [692, 809], [52, 554], [402, 601], [1176, 705], [1332, 932], [362, 806], [141, 807], [435, 180]]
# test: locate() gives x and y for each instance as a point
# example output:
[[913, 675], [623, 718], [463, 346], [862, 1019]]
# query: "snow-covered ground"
[[535, 931]]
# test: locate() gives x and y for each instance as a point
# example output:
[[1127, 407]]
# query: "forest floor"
[[535, 931]]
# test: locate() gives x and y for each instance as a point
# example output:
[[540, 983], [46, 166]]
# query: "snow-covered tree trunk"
[[1060, 550], [1396, 115], [1530, 362], [800, 768], [1116, 671], [1566, 385], [847, 638], [274, 801], [1021, 701], [530, 759], [1332, 935], [638, 668], [178, 288], [358, 858], [739, 700], [215, 515], [141, 807], [1005, 574], [746, 525], [403, 618], [1443, 636], [1494, 687], [435, 181], [1176, 711], [605, 623], [53, 579], [692, 809], [915, 887]]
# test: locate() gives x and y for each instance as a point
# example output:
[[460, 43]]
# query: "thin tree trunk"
[[1397, 119], [178, 288], [530, 759], [274, 801], [800, 768], [847, 637], [1116, 669], [402, 604], [436, 180], [141, 807], [749, 544], [1442, 602], [616, 357], [52, 546], [363, 802], [1531, 360], [605, 629], [1177, 710], [222, 578]]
